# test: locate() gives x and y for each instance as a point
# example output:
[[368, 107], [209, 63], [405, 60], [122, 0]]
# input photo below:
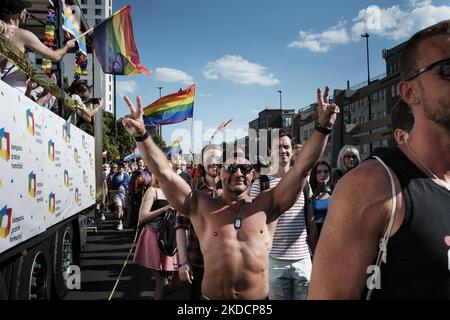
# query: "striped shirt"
[[290, 238]]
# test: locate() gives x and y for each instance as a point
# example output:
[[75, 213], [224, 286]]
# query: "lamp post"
[[366, 35], [281, 110]]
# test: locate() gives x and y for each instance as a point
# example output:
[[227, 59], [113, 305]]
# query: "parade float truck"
[[47, 186]]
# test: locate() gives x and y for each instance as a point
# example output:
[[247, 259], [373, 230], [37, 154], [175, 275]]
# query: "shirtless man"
[[235, 232]]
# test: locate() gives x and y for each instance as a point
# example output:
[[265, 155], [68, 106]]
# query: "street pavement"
[[101, 261]]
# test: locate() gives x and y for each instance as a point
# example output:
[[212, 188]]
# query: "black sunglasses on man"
[[440, 68]]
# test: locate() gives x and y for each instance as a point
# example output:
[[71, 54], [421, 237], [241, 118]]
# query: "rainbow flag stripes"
[[174, 108], [5, 222], [114, 45], [5, 149]]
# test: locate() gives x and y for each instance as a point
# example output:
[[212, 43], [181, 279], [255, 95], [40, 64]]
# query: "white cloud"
[[323, 41], [394, 23], [126, 87], [173, 75], [238, 70]]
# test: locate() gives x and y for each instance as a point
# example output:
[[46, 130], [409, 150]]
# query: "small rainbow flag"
[[114, 45], [175, 147], [174, 108]]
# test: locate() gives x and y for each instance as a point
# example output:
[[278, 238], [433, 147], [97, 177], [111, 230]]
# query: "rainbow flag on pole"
[[174, 108], [114, 45]]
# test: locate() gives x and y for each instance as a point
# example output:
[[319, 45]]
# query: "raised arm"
[[288, 190], [177, 191], [33, 43]]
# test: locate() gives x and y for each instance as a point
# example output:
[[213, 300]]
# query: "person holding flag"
[[14, 14]]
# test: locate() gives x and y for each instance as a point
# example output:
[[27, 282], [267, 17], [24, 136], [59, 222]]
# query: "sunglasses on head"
[[232, 168], [440, 68]]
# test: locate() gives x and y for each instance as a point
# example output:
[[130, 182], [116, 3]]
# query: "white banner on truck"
[[46, 169]]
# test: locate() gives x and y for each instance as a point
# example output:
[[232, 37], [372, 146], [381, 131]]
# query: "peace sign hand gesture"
[[327, 111], [134, 122]]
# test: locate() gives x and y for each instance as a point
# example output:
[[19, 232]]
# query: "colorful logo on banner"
[[66, 178], [5, 149], [51, 150], [32, 184], [75, 156], [66, 132], [5, 222], [30, 122], [91, 160], [85, 177], [77, 196], [52, 202], [83, 142], [91, 191]]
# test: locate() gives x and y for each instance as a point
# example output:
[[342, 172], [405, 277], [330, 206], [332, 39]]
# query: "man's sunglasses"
[[232, 168], [440, 68]]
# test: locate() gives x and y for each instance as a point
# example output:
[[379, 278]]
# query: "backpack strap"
[[264, 183], [382, 252]]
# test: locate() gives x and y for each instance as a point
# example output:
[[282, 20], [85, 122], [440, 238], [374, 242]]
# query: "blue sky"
[[240, 53]]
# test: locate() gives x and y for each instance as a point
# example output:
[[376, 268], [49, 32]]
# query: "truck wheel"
[[63, 258], [32, 274], [3, 291]]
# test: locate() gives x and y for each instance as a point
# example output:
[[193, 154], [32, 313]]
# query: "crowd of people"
[[376, 228]]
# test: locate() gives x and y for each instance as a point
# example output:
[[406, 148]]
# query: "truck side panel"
[[46, 169]]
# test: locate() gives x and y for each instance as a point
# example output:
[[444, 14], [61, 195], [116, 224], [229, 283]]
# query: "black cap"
[[14, 6]]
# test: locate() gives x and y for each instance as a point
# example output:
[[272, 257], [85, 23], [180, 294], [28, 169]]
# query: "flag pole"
[[83, 34]]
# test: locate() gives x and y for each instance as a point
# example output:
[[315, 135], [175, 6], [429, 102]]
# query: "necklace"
[[416, 156], [237, 218]]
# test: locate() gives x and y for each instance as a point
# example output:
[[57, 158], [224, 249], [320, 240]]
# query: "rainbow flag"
[[175, 147], [171, 109], [114, 45]]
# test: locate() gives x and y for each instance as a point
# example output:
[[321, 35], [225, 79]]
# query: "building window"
[[287, 122], [97, 21], [305, 135], [83, 1], [98, 12], [84, 11], [98, 2]]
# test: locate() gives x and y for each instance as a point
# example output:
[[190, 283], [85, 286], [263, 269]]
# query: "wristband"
[[142, 138], [183, 264], [323, 130]]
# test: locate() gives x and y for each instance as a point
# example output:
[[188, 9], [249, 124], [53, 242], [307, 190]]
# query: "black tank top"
[[418, 255], [157, 204]]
